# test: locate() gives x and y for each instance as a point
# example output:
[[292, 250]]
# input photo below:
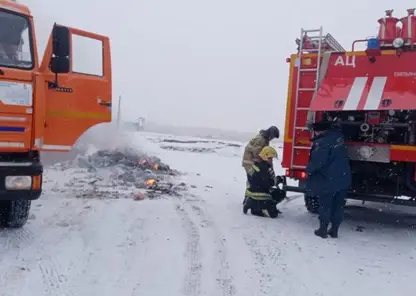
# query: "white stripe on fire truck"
[[57, 147], [12, 145], [356, 91], [375, 93], [12, 118]]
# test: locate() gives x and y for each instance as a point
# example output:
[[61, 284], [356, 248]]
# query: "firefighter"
[[262, 194], [328, 176], [253, 148]]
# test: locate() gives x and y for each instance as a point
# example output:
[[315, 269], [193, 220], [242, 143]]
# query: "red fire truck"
[[371, 94]]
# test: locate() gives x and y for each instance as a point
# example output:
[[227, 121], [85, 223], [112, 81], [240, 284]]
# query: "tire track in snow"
[[271, 265], [13, 242], [54, 280], [225, 281], [134, 237], [15, 239], [52, 277], [192, 282], [264, 255]]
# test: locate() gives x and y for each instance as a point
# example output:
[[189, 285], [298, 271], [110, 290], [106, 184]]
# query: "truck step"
[[309, 70], [303, 108], [302, 147], [306, 89], [298, 167], [304, 128]]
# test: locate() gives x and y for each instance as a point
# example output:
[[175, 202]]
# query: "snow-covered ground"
[[200, 243]]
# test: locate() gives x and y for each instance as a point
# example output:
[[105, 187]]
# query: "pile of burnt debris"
[[120, 173]]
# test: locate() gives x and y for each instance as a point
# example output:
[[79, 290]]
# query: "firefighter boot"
[[333, 231], [246, 205], [322, 231]]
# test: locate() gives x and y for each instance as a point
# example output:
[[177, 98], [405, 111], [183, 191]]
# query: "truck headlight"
[[398, 42], [18, 182]]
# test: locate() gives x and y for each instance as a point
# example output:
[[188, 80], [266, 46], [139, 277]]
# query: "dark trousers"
[[331, 208], [265, 208], [261, 208]]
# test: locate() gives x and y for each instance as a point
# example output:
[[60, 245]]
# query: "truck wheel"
[[312, 204], [15, 213]]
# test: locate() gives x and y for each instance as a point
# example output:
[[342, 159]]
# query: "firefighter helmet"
[[267, 153], [272, 132]]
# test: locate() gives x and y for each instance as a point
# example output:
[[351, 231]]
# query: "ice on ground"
[[200, 243]]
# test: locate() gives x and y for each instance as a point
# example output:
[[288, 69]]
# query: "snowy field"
[[199, 242]]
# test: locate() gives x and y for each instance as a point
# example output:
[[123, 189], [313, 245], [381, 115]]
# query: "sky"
[[208, 63]]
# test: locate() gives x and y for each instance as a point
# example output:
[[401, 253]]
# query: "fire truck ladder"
[[318, 40]]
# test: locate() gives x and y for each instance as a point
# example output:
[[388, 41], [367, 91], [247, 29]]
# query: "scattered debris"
[[139, 196], [118, 173]]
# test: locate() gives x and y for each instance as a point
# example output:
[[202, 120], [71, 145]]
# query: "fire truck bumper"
[[18, 182], [20, 194]]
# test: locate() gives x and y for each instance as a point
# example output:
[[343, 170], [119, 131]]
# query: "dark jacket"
[[261, 181], [329, 167]]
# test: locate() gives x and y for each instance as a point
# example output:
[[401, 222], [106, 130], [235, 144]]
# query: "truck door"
[[83, 96]]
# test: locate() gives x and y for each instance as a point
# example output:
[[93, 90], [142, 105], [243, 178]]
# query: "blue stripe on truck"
[[12, 129]]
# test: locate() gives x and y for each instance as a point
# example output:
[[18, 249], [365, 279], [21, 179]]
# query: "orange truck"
[[371, 95], [44, 105]]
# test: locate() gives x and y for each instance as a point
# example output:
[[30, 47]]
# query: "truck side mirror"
[[59, 65], [60, 61]]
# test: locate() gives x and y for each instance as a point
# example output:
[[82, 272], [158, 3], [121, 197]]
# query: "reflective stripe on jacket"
[[261, 180]]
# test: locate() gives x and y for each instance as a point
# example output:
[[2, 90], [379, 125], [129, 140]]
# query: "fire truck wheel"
[[312, 204], [15, 213]]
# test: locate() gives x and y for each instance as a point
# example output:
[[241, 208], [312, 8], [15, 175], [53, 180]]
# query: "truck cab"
[[45, 105]]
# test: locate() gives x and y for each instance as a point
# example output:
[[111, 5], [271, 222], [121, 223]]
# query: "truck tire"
[[312, 204], [15, 213]]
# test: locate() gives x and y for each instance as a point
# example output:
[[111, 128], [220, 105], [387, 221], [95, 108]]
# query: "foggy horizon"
[[214, 64]]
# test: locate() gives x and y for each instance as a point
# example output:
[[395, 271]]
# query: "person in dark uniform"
[[262, 195], [328, 176]]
